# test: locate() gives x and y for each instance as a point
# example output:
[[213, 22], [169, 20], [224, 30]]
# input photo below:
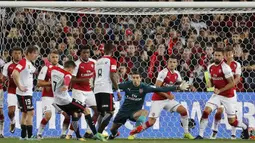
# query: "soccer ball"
[[105, 134], [192, 123]]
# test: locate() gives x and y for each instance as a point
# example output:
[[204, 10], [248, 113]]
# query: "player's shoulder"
[[177, 72], [77, 62], [165, 71], [236, 63], [109, 58], [6, 65], [211, 65], [92, 60], [224, 65]]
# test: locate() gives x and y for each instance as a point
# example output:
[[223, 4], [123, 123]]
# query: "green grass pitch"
[[52, 140]]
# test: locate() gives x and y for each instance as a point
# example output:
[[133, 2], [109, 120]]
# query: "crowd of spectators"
[[141, 42]]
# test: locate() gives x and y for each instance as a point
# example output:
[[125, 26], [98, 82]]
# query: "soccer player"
[[1, 102], [221, 77], [132, 107], [82, 80], [23, 78], [166, 77], [7, 78], [60, 80], [236, 70], [44, 80], [106, 78]]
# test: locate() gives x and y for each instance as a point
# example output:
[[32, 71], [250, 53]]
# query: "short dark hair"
[[108, 48], [219, 50], [31, 49], [69, 64], [229, 49], [54, 51], [16, 49], [81, 48], [135, 71], [173, 57]]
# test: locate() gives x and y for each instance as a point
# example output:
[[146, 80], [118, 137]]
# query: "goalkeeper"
[[132, 107]]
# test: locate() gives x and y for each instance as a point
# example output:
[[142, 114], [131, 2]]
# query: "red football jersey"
[[218, 75], [168, 78], [7, 72], [84, 70], [45, 74]]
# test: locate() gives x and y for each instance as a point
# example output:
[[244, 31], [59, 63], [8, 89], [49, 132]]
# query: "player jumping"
[[236, 70], [7, 78], [132, 107], [221, 77], [82, 80], [23, 78], [106, 78], [167, 77], [60, 80], [44, 80]]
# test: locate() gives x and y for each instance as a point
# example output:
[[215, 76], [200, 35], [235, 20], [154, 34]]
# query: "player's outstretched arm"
[[80, 80], [168, 96]]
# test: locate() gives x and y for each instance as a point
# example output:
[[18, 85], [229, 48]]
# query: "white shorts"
[[12, 99], [1, 98], [229, 104], [47, 104], [86, 97], [235, 97], [158, 105]]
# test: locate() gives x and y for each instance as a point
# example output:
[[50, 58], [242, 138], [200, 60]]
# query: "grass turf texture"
[[52, 140]]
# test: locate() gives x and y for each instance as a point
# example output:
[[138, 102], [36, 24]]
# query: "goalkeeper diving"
[[135, 92]]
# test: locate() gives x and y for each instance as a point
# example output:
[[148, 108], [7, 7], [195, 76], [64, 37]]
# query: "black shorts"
[[25, 103], [122, 117], [104, 102], [74, 106]]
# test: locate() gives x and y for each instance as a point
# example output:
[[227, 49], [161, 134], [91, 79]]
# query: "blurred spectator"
[[131, 57], [157, 62], [123, 73]]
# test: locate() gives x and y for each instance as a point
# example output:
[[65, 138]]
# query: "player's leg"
[[46, 108], [216, 122], [99, 110], [90, 101], [1, 123], [23, 122], [1, 114], [229, 104], [65, 125], [12, 103], [107, 108], [212, 104], [140, 118], [155, 110], [30, 115], [119, 120]]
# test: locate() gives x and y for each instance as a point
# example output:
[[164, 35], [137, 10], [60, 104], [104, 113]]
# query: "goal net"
[[144, 35]]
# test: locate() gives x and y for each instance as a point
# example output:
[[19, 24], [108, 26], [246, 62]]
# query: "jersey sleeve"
[[208, 70], [5, 70], [227, 71], [238, 69], [113, 65], [75, 71], [67, 79], [43, 73], [179, 78], [21, 66], [161, 76], [150, 88]]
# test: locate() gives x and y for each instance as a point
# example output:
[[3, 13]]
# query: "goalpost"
[[139, 30]]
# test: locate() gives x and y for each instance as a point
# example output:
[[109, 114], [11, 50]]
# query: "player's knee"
[[86, 111], [205, 114], [233, 122], [182, 111], [30, 113], [152, 121], [47, 115], [217, 116], [144, 113]]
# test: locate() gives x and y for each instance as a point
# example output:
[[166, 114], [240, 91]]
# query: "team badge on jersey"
[[140, 90]]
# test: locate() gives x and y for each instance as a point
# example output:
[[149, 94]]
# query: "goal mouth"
[[138, 8]]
